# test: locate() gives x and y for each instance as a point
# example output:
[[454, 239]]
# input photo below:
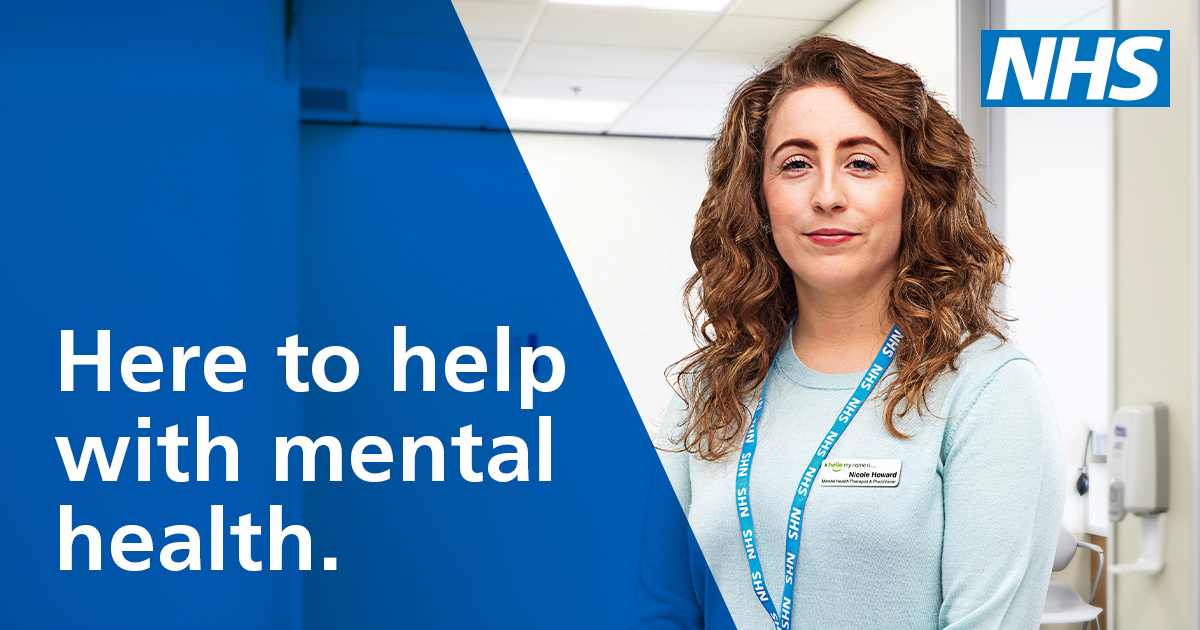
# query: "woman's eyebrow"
[[808, 145], [800, 143], [855, 141]]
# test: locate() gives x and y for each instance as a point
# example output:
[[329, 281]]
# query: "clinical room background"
[[237, 172]]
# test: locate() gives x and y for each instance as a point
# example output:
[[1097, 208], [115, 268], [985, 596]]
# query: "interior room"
[[615, 103]]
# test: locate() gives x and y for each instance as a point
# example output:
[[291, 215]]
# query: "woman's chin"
[[840, 281]]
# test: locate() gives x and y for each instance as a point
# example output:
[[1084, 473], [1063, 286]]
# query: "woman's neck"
[[840, 332]]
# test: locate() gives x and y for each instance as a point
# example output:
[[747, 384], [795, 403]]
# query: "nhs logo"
[[1076, 68]]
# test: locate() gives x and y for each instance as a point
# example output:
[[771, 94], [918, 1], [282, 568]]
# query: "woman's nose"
[[829, 196]]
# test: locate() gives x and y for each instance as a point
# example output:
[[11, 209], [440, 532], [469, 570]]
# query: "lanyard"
[[783, 619]]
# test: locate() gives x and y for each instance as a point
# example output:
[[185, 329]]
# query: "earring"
[[766, 227]]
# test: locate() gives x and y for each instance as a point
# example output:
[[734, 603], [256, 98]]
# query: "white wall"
[[624, 209], [1058, 228], [920, 33]]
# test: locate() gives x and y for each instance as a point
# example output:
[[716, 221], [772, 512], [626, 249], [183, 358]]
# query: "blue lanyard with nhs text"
[[783, 618]]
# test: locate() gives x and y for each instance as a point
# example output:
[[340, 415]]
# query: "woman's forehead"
[[822, 114]]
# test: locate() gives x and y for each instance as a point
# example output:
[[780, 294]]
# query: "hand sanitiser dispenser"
[[1137, 468]]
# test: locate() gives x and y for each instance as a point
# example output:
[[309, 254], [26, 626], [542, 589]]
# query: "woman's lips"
[[830, 236]]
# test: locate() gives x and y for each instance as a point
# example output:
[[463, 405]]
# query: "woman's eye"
[[795, 164], [863, 165]]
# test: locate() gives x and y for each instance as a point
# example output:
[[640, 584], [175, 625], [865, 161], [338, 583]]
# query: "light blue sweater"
[[965, 540]]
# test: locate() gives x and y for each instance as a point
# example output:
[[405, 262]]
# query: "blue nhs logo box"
[[1075, 68]]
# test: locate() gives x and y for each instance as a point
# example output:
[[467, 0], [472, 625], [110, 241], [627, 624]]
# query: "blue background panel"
[[149, 182], [157, 183]]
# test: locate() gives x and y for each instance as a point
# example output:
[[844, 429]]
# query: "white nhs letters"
[[1033, 83]]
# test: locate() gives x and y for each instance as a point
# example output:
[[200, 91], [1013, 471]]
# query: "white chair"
[[1063, 604]]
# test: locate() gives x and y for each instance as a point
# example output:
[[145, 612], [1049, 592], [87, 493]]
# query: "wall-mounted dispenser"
[[1137, 464]]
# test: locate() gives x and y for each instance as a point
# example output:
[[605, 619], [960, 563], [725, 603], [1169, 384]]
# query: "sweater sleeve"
[[1003, 493]]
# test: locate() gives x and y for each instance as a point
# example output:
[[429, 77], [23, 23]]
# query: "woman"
[[853, 396]]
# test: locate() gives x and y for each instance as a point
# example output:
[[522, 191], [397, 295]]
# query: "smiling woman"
[[844, 268]]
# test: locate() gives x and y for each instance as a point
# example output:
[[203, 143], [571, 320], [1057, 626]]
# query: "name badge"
[[859, 473]]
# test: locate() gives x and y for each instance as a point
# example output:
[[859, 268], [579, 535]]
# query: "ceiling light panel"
[[561, 109], [518, 110]]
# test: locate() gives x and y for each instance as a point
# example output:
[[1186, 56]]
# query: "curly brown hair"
[[742, 294]]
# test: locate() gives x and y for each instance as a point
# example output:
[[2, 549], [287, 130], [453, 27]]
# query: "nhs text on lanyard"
[[783, 618]]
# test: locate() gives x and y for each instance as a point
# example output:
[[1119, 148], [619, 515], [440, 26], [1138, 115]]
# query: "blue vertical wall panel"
[[148, 185]]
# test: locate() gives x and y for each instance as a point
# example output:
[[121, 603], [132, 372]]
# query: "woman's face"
[[834, 187]]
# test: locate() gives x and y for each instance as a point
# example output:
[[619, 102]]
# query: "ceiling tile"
[[822, 11], [495, 80], [656, 120], [740, 33], [620, 27], [590, 88], [719, 67], [690, 94], [495, 54], [600, 61], [495, 20]]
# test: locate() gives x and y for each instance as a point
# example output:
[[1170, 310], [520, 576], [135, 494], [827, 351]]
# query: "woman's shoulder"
[[987, 355], [999, 398], [991, 363], [985, 359]]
